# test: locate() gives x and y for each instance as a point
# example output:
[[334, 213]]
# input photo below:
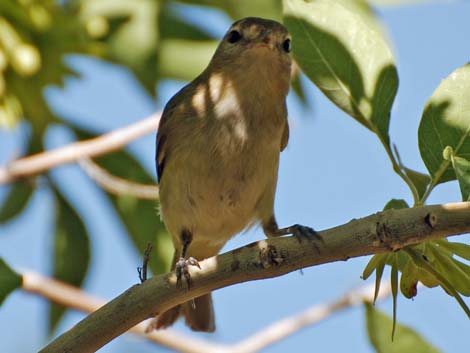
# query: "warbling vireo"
[[218, 147]]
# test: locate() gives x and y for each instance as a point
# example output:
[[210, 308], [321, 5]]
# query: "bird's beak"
[[266, 43]]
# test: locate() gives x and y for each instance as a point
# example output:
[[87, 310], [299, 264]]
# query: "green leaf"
[[419, 180], [396, 204], [20, 192], [378, 275], [140, 217], [173, 27], [424, 276], [462, 171], [409, 279], [363, 9], [406, 339], [394, 284], [372, 265], [298, 87], [329, 42], [184, 59], [397, 2], [446, 122], [35, 39], [9, 280], [243, 8], [459, 249], [133, 36], [71, 251], [424, 264], [450, 267], [377, 264], [16, 200]]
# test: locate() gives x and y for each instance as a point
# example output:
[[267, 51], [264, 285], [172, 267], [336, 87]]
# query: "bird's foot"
[[182, 270], [301, 232]]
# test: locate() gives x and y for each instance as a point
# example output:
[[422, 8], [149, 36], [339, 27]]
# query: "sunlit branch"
[[75, 298], [116, 185], [381, 232], [41, 162], [311, 316]]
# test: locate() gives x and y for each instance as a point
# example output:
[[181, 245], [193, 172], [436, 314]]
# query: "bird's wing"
[[285, 136], [160, 149], [162, 136]]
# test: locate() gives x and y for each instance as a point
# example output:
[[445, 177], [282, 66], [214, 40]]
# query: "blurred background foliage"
[[155, 42]]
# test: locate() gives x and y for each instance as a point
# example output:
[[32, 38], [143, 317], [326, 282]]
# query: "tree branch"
[[116, 185], [381, 232], [73, 152], [313, 315], [75, 298]]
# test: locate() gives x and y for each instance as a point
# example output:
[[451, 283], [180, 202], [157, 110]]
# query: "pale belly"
[[215, 198]]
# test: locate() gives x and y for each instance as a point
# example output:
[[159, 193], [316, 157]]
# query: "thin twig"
[[75, 298], [73, 152], [378, 233], [311, 316], [116, 185]]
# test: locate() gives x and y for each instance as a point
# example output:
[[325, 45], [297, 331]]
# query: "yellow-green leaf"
[[409, 279], [462, 171], [396, 204], [406, 339], [394, 285], [243, 8], [133, 36], [446, 122], [450, 268], [71, 251], [424, 264], [459, 249], [184, 59], [419, 180], [329, 42], [373, 263]]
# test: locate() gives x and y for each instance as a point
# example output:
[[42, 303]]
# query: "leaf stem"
[[434, 182], [398, 169]]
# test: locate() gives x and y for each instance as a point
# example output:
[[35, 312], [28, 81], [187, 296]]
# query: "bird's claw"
[[182, 270], [303, 232]]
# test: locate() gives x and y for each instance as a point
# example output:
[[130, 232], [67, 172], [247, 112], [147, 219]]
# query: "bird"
[[218, 145]]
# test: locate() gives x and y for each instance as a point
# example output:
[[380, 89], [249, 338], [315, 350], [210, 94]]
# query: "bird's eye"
[[234, 36], [286, 46]]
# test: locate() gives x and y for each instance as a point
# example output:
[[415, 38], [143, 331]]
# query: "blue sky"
[[333, 170]]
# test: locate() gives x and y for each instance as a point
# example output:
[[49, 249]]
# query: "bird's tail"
[[198, 314]]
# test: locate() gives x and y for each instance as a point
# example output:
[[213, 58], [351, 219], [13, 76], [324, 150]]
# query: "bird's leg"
[[271, 229], [182, 265]]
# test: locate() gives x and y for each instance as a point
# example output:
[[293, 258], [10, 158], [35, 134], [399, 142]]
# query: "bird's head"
[[255, 45]]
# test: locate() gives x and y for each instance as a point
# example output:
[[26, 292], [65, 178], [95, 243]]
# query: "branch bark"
[[115, 185], [381, 232], [73, 152], [75, 298]]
